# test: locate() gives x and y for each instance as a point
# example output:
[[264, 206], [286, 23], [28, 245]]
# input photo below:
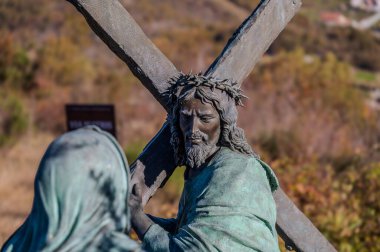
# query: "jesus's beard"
[[196, 155]]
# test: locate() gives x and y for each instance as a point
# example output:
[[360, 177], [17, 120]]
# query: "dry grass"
[[18, 165]]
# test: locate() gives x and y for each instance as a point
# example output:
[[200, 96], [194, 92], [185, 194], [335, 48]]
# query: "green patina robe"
[[228, 206]]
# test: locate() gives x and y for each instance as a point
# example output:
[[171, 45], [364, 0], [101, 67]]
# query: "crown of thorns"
[[228, 87]]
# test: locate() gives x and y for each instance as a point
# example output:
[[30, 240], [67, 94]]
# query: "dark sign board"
[[103, 116]]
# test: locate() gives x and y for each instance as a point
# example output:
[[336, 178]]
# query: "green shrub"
[[16, 69], [316, 84], [342, 205], [63, 62], [133, 150], [174, 186], [365, 76], [279, 144], [14, 119]]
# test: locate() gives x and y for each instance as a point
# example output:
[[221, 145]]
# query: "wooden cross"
[[116, 27]]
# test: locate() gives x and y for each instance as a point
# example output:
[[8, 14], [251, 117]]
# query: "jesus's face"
[[200, 127]]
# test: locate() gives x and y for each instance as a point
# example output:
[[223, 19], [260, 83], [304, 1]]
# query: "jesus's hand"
[[140, 222]]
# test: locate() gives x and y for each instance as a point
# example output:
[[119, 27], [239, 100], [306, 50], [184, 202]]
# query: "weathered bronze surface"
[[79, 201], [227, 203]]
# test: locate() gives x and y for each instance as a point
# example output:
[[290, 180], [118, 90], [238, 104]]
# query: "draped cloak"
[[227, 206], [80, 194]]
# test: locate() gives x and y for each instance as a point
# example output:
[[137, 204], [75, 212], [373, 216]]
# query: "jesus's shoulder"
[[235, 164]]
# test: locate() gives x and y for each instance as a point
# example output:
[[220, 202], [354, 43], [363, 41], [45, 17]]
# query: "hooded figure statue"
[[81, 189]]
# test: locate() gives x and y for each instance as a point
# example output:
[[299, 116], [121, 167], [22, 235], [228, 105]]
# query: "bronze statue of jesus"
[[227, 202]]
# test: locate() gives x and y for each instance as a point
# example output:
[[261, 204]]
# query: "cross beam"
[[252, 39], [115, 26]]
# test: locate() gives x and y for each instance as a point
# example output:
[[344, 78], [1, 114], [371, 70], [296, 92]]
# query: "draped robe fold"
[[228, 206], [80, 193]]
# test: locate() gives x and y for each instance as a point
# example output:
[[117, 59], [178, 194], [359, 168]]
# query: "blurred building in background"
[[368, 5], [330, 18]]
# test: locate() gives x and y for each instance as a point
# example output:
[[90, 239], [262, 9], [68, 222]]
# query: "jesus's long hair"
[[231, 135]]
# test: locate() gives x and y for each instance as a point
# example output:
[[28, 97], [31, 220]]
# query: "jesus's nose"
[[195, 125]]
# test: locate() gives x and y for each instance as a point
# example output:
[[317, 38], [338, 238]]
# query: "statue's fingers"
[[138, 190]]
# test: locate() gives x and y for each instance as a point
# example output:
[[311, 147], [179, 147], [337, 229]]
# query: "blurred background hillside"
[[313, 111]]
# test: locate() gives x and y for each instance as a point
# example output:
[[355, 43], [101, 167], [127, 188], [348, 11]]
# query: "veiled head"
[[81, 188]]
